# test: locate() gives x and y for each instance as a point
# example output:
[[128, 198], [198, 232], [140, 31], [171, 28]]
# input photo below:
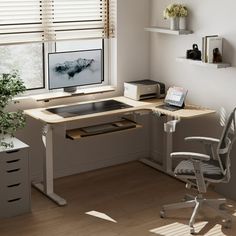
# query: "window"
[[54, 20], [27, 59], [49, 26]]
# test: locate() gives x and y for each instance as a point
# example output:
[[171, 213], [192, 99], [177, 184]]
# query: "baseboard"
[[94, 165], [156, 155], [81, 167]]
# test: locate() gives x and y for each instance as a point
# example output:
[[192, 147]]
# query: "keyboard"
[[99, 128]]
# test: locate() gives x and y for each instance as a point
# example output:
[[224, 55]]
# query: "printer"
[[144, 89]]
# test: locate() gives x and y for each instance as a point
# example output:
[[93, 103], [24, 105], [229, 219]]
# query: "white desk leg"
[[149, 161], [47, 186], [169, 128], [169, 148]]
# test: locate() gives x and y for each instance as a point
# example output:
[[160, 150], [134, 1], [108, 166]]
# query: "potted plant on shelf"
[[177, 14], [183, 13], [10, 121]]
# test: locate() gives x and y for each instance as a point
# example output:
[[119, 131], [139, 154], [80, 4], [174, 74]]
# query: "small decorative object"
[[217, 57], [174, 12], [10, 86], [194, 54]]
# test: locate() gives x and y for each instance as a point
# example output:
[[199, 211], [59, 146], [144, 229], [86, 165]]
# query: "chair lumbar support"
[[197, 203]]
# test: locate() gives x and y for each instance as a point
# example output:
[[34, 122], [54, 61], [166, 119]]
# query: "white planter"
[[6, 140], [182, 23], [174, 23]]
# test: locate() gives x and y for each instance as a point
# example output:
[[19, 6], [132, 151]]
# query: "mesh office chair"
[[199, 170]]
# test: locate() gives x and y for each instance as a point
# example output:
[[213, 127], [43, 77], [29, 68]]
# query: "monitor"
[[75, 68]]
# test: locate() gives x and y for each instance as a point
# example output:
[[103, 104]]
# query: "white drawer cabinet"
[[15, 193]]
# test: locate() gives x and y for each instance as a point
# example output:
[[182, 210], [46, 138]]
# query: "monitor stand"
[[70, 90]]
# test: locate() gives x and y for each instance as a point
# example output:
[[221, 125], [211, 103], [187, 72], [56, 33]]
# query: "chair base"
[[197, 203]]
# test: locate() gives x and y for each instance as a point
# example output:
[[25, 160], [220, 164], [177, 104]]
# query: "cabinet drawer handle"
[[14, 200], [12, 161], [13, 185], [14, 170], [12, 151]]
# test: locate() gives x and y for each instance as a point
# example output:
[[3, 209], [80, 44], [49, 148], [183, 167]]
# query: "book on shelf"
[[210, 44]]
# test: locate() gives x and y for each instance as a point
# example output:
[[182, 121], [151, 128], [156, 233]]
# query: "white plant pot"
[[182, 23], [6, 139], [174, 23]]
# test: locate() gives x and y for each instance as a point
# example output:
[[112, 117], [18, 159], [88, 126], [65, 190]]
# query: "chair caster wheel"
[[162, 214], [188, 185], [192, 231], [227, 224], [222, 206]]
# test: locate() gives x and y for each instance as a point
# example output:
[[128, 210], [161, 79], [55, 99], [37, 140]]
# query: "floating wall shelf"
[[200, 63], [168, 31]]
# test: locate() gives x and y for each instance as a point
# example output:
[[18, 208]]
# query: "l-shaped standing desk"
[[50, 120]]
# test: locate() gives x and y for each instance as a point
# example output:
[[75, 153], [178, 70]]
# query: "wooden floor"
[[130, 194]]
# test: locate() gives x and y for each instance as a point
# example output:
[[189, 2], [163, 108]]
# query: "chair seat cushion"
[[210, 169]]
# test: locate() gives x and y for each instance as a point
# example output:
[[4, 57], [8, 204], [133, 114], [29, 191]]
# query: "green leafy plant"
[[175, 10], [10, 86]]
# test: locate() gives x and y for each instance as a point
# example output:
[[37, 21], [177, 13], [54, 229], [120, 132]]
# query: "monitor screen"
[[77, 68]]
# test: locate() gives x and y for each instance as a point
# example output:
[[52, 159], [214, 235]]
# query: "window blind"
[[23, 21]]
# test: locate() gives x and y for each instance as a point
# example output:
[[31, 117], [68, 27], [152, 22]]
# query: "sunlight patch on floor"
[[101, 216], [215, 231], [177, 229]]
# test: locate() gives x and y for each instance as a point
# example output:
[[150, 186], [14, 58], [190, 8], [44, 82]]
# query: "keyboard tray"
[[101, 129]]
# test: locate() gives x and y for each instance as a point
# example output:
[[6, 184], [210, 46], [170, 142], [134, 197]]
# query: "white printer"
[[144, 89]]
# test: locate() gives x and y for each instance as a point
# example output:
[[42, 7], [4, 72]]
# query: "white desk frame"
[[46, 187], [50, 120], [166, 165]]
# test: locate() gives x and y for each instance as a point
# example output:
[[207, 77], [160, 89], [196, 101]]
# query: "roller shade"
[[23, 21]]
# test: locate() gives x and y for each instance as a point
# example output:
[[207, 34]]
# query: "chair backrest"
[[225, 145]]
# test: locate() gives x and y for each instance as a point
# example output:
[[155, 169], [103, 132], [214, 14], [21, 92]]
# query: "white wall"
[[207, 87], [133, 42], [96, 152]]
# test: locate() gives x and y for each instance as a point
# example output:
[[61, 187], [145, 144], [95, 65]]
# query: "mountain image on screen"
[[71, 68]]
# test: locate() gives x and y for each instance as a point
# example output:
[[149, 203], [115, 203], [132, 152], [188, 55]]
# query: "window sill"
[[46, 97]]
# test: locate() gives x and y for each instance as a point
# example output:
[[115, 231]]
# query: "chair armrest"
[[190, 155], [205, 140]]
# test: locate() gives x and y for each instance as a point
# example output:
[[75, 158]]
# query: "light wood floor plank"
[[131, 194]]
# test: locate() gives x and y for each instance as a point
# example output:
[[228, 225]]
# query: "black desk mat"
[[88, 108]]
